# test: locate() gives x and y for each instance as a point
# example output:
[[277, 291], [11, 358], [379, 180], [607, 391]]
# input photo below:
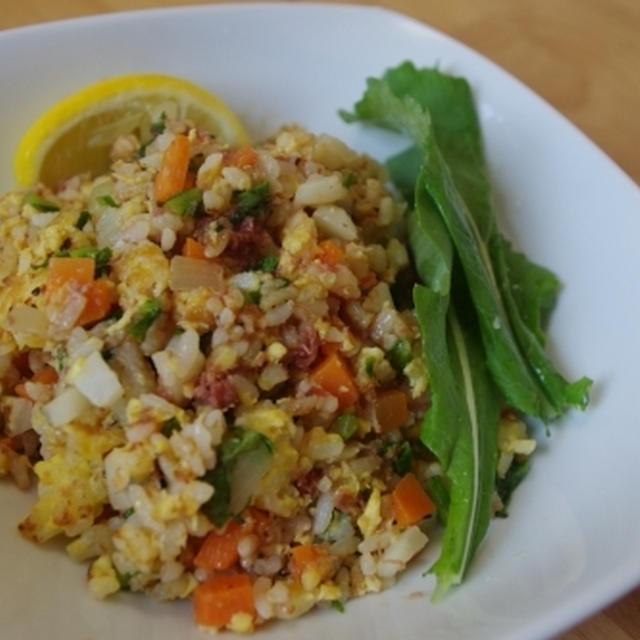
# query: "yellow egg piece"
[[76, 134]]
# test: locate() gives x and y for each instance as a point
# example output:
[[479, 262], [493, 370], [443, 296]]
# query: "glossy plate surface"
[[572, 542]]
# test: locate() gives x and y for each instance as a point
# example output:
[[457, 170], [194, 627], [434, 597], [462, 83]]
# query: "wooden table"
[[583, 56]]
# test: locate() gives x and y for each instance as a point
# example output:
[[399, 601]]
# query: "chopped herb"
[[217, 507], [348, 179], [338, 605], [159, 126], [124, 579], [170, 425], [400, 354], [185, 203], [249, 201], [60, 355], [345, 425], [238, 441], [127, 513], [144, 318], [178, 331], [369, 364], [107, 201], [251, 297], [39, 203], [267, 264], [507, 485], [83, 218], [403, 459]]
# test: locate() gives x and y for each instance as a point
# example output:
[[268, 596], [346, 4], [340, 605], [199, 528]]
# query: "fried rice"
[[236, 404]]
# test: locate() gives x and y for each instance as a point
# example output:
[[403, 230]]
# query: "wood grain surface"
[[583, 56]]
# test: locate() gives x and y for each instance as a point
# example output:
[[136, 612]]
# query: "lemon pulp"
[[75, 135]]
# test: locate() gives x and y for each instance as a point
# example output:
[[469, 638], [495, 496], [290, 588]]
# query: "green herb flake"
[[400, 354], [217, 507], [170, 425], [144, 318], [239, 440], [159, 125], [127, 513], [39, 203], [83, 218], [249, 201], [60, 356], [268, 264], [507, 485], [403, 459], [185, 203], [338, 605], [251, 297], [106, 201], [348, 179], [369, 364], [345, 425]]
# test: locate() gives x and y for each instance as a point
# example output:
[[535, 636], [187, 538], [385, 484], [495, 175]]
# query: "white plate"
[[572, 542]]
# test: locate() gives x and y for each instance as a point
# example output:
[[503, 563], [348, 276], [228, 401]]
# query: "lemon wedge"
[[76, 134]]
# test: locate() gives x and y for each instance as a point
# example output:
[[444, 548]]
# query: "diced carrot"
[[391, 409], [46, 375], [64, 270], [101, 296], [220, 550], [330, 253], [193, 249], [333, 375], [304, 555], [240, 157], [218, 599], [409, 502], [172, 174], [328, 348]]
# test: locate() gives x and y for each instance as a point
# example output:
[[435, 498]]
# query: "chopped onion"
[[324, 510], [24, 319], [188, 273], [65, 407], [400, 551], [18, 414], [335, 222], [246, 475], [93, 377]]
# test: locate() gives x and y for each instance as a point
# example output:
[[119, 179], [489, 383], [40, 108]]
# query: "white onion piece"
[[324, 510], [24, 319], [65, 407], [189, 273], [93, 377], [18, 414], [400, 551], [245, 477]]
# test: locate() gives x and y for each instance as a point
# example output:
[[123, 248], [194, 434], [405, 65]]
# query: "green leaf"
[[403, 458], [144, 317], [185, 203], [400, 354], [83, 218], [249, 201], [268, 264], [559, 391], [439, 492], [159, 125], [39, 203], [239, 440], [460, 427], [507, 485], [107, 201], [170, 425], [217, 507], [345, 425], [338, 605]]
